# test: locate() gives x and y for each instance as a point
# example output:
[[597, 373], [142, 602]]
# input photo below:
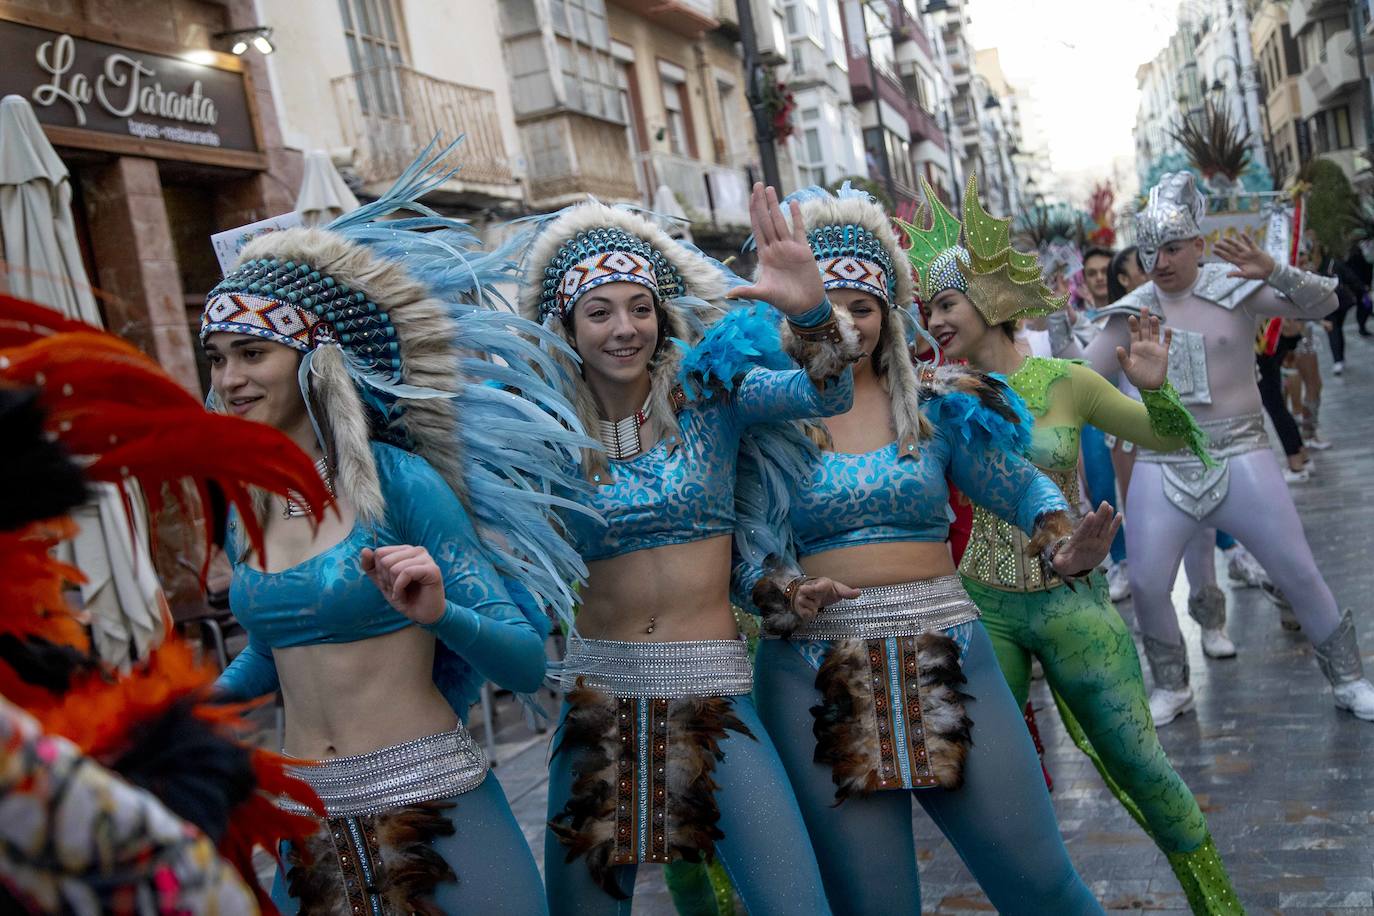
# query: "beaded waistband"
[[1227, 438], [705, 668], [905, 609], [437, 766]]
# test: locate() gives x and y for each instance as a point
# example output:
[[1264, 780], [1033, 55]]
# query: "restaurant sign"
[[89, 85]]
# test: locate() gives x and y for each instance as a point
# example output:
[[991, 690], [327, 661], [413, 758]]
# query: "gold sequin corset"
[[996, 552]]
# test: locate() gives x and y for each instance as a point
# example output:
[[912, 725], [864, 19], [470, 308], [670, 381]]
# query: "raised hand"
[[814, 594], [1251, 261], [1146, 363], [788, 278], [409, 579], [1089, 543]]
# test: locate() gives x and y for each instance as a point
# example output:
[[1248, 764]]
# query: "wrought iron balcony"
[[390, 113], [710, 193]]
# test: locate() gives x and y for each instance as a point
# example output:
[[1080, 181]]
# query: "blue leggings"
[[1100, 477], [765, 850], [488, 852], [1000, 822]]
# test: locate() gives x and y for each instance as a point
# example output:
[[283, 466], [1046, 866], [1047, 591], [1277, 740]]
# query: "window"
[[678, 124], [375, 50], [1330, 130], [879, 34], [878, 141], [591, 81]]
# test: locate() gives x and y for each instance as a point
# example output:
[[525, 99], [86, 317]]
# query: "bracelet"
[[1049, 550], [827, 331], [789, 592]]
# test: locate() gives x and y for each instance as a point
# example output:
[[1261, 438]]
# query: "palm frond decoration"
[[1045, 223], [1217, 145]]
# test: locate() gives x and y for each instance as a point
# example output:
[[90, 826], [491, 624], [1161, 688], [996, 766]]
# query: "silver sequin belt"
[[1227, 438], [705, 668], [438, 766], [905, 609]]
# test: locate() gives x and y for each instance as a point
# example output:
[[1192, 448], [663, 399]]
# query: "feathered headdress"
[[570, 252], [856, 248], [1002, 283], [402, 340], [66, 389]]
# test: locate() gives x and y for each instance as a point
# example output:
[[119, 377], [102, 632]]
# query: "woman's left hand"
[[1250, 261], [788, 277], [1089, 543], [409, 579], [1146, 363]]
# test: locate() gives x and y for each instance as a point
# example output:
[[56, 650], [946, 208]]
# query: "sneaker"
[[1168, 705], [1316, 443], [1118, 582], [1216, 644], [1292, 476], [1356, 696], [1338, 367], [1242, 567]]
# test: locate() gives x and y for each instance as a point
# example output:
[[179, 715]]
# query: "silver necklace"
[[298, 508], [621, 437]]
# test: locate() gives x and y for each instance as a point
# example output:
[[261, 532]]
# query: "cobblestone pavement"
[[1286, 780]]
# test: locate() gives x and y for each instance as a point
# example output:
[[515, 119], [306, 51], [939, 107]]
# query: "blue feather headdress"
[[410, 341]]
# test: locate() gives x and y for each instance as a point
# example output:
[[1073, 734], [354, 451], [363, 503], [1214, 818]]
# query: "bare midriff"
[[682, 591], [886, 563], [352, 698]]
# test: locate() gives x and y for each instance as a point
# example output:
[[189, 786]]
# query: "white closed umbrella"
[[36, 217], [122, 594], [323, 195], [667, 204]]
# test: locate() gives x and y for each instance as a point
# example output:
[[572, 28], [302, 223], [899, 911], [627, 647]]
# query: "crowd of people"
[[902, 448]]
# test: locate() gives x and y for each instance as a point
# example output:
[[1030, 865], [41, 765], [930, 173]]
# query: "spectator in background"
[[1125, 273], [1361, 267], [1097, 264], [1350, 292]]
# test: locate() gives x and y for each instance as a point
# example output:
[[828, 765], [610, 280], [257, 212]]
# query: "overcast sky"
[[1078, 60]]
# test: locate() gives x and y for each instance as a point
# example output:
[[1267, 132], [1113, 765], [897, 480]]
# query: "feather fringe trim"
[[586, 826], [851, 731], [822, 360], [324, 873], [769, 596], [978, 407], [745, 339]]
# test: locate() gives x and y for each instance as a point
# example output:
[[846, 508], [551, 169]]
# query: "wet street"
[[1285, 779]]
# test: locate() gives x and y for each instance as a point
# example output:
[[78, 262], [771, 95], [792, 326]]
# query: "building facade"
[[1279, 68], [1330, 90]]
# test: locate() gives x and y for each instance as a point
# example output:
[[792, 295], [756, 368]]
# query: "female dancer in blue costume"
[[659, 754], [897, 688], [379, 625]]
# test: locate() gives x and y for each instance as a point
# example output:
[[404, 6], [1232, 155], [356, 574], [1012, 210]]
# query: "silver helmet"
[[1173, 213]]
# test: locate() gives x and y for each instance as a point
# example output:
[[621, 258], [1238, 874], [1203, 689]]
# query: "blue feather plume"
[[964, 415]]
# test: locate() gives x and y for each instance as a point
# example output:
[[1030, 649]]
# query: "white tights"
[[1257, 511]]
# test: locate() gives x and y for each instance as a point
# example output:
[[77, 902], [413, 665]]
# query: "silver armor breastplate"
[[1188, 367]]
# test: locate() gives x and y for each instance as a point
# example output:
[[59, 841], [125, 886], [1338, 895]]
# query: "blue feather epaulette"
[[979, 408], [746, 338]]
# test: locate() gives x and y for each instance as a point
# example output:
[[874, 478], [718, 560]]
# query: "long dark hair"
[[1115, 288]]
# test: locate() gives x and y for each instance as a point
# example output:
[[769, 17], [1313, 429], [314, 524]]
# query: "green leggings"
[[1091, 666]]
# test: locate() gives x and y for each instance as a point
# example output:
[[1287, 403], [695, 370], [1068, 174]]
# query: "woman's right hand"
[[819, 592], [788, 278]]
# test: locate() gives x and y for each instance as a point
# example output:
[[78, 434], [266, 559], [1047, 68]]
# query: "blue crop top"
[[683, 490], [487, 627], [855, 499]]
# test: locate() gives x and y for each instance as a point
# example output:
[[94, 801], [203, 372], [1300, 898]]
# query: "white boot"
[[1216, 644], [1208, 608], [1119, 582], [1356, 696], [1242, 567], [1167, 705]]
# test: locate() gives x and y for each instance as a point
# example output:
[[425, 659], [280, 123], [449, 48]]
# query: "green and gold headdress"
[[1002, 283]]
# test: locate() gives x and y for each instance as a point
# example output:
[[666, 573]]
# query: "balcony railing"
[[715, 193], [390, 113]]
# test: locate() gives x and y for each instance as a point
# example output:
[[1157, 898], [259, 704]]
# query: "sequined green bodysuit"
[[1089, 658]]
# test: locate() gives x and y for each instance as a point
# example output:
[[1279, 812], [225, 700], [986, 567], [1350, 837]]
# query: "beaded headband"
[[851, 257], [599, 256], [296, 305]]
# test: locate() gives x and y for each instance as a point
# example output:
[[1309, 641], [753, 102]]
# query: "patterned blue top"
[[488, 625], [683, 490], [871, 498]]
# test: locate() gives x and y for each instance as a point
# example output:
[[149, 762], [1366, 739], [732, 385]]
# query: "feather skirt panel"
[[643, 780], [377, 864], [892, 715]]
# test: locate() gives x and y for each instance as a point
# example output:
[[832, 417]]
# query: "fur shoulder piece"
[[978, 408], [744, 339]]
